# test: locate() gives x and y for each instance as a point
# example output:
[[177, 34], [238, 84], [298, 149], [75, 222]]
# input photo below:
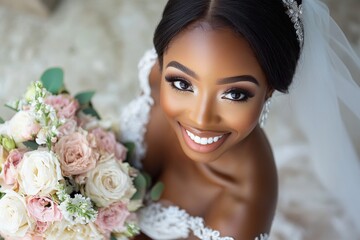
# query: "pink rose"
[[41, 227], [76, 153], [112, 218], [120, 152], [64, 105], [44, 210], [10, 167], [68, 127], [107, 143]]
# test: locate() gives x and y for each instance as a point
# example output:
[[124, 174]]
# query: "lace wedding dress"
[[156, 220], [325, 87]]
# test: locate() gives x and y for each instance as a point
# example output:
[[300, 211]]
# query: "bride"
[[207, 88]]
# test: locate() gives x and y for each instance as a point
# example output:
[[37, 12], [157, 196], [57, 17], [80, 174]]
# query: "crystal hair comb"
[[294, 11]]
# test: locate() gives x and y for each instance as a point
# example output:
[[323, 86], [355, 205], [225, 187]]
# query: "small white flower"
[[78, 210]]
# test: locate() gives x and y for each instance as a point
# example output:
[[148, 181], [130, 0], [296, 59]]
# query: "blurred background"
[[98, 44]]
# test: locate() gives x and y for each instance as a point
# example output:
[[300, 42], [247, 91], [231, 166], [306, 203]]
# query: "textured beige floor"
[[98, 44]]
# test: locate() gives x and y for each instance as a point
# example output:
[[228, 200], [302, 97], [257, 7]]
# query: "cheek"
[[172, 103], [243, 119]]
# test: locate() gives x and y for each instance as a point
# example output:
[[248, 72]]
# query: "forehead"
[[218, 49]]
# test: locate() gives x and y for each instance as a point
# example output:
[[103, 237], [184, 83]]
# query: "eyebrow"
[[242, 78], [182, 68], [228, 80]]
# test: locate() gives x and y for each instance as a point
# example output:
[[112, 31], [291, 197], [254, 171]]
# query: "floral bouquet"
[[63, 173]]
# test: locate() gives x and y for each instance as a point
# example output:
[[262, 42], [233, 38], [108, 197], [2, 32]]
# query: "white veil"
[[324, 84]]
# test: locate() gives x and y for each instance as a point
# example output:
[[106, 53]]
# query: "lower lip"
[[202, 148]]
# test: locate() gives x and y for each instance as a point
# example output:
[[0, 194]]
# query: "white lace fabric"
[[170, 223], [157, 221], [135, 115]]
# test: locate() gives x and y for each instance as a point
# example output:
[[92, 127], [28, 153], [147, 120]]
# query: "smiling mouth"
[[202, 142]]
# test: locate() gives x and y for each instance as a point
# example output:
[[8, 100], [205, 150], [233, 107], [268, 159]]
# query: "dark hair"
[[263, 23]]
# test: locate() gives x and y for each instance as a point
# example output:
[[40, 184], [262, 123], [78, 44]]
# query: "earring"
[[265, 112]]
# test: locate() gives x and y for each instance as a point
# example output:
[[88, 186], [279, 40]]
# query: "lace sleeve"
[[135, 115]]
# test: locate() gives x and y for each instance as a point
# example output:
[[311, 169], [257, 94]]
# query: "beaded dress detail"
[[156, 220]]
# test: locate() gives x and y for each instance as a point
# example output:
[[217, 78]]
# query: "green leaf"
[[12, 107], [130, 147], [140, 185], [2, 120], [156, 191], [84, 98], [31, 145], [53, 80], [112, 237], [91, 111], [2, 194], [148, 179]]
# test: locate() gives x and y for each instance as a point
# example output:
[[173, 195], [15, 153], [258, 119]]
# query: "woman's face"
[[212, 91]]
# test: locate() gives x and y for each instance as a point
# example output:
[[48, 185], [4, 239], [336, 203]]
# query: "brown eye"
[[179, 84], [238, 95]]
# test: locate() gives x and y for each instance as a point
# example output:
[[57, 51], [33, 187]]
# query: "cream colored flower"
[[109, 182], [39, 173], [65, 230], [14, 221], [23, 126]]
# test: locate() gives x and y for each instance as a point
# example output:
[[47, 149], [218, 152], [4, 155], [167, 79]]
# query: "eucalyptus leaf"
[[140, 185], [91, 111], [84, 98], [2, 194], [31, 145], [2, 120], [11, 107], [156, 191], [130, 147], [148, 180], [53, 80]]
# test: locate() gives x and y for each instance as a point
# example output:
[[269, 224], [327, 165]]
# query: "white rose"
[[14, 221], [65, 230], [23, 126], [39, 173], [109, 182]]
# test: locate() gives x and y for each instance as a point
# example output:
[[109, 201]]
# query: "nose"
[[204, 112]]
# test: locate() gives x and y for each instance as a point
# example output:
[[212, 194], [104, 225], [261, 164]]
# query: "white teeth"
[[203, 141]]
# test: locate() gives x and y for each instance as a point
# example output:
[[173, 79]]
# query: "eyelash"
[[246, 94], [172, 80]]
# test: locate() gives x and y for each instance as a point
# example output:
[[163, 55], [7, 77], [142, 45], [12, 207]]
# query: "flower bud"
[[8, 143], [30, 93]]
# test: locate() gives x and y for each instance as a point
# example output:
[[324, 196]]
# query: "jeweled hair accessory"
[[295, 13]]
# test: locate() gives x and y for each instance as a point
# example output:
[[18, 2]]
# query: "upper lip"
[[201, 133]]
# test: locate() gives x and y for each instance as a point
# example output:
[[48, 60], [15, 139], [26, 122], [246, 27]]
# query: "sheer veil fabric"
[[324, 84]]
